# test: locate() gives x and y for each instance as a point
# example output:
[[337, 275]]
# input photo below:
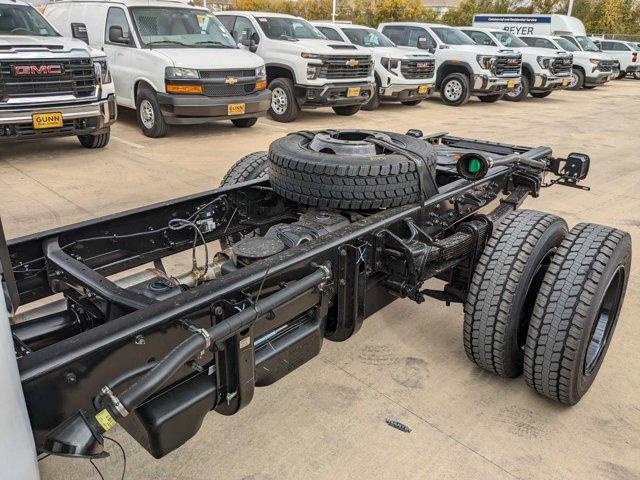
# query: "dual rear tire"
[[544, 302]]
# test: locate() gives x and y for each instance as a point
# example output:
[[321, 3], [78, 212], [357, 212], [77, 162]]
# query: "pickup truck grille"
[[345, 67], [228, 90], [507, 65], [227, 73], [418, 69], [606, 65], [76, 78], [562, 65]]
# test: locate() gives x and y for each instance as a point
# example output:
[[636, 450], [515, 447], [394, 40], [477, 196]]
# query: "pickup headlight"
[[390, 63], [486, 61], [544, 62], [313, 71], [178, 73], [310, 55], [594, 61], [261, 72], [103, 75]]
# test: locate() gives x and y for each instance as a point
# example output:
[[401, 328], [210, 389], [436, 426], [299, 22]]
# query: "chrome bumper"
[[485, 83], [101, 108]]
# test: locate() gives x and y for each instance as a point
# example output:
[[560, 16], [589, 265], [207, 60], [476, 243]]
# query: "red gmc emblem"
[[20, 70], [422, 65]]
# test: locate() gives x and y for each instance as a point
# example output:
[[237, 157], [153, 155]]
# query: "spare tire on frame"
[[345, 169]]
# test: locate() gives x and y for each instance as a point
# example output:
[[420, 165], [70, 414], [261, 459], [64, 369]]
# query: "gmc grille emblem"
[[422, 65], [512, 61], [19, 70]]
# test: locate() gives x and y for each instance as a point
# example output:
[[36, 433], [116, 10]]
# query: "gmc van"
[[175, 64]]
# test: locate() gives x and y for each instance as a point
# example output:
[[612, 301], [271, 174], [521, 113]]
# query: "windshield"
[[367, 37], [565, 44], [508, 39], [180, 27], [285, 28], [451, 36], [587, 45], [634, 46], [23, 20]]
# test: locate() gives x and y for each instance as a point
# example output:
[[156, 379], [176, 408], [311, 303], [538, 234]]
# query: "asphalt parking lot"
[[326, 420]]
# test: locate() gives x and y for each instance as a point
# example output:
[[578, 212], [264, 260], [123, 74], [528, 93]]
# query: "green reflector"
[[475, 165]]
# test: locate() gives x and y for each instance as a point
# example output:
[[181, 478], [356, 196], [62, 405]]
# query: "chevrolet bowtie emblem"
[[231, 80], [352, 62]]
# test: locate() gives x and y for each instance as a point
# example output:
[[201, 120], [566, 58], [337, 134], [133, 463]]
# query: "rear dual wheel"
[[546, 302]]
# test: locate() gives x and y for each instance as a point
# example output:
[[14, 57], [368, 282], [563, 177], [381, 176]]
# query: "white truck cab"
[[174, 63], [590, 68], [402, 74], [463, 68], [625, 52], [304, 68], [50, 86], [543, 71]]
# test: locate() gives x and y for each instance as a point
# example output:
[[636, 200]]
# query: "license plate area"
[[511, 84], [565, 82], [46, 120], [423, 89], [353, 91], [236, 109]]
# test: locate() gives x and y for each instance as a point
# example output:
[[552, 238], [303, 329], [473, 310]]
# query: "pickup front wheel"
[[95, 141], [520, 92], [150, 118], [455, 90], [577, 79], [284, 105]]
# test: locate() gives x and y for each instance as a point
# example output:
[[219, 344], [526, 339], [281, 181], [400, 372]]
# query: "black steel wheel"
[[345, 169], [576, 311], [244, 122], [504, 288]]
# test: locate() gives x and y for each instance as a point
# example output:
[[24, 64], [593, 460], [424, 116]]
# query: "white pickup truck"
[[50, 86], [304, 68], [543, 71], [590, 68], [402, 74], [625, 52], [463, 68]]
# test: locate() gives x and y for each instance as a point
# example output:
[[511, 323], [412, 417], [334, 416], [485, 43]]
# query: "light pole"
[[570, 9], [333, 12]]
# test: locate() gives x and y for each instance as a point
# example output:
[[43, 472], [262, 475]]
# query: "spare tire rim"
[[348, 142], [279, 101], [603, 324], [574, 80], [147, 115], [453, 90]]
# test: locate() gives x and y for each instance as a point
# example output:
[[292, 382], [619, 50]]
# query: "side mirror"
[[424, 45], [79, 31], [116, 35], [250, 40]]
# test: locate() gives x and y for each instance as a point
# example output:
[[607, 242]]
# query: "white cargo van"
[[173, 63], [552, 24]]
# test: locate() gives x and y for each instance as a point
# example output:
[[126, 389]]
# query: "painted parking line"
[[273, 126], [127, 142]]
